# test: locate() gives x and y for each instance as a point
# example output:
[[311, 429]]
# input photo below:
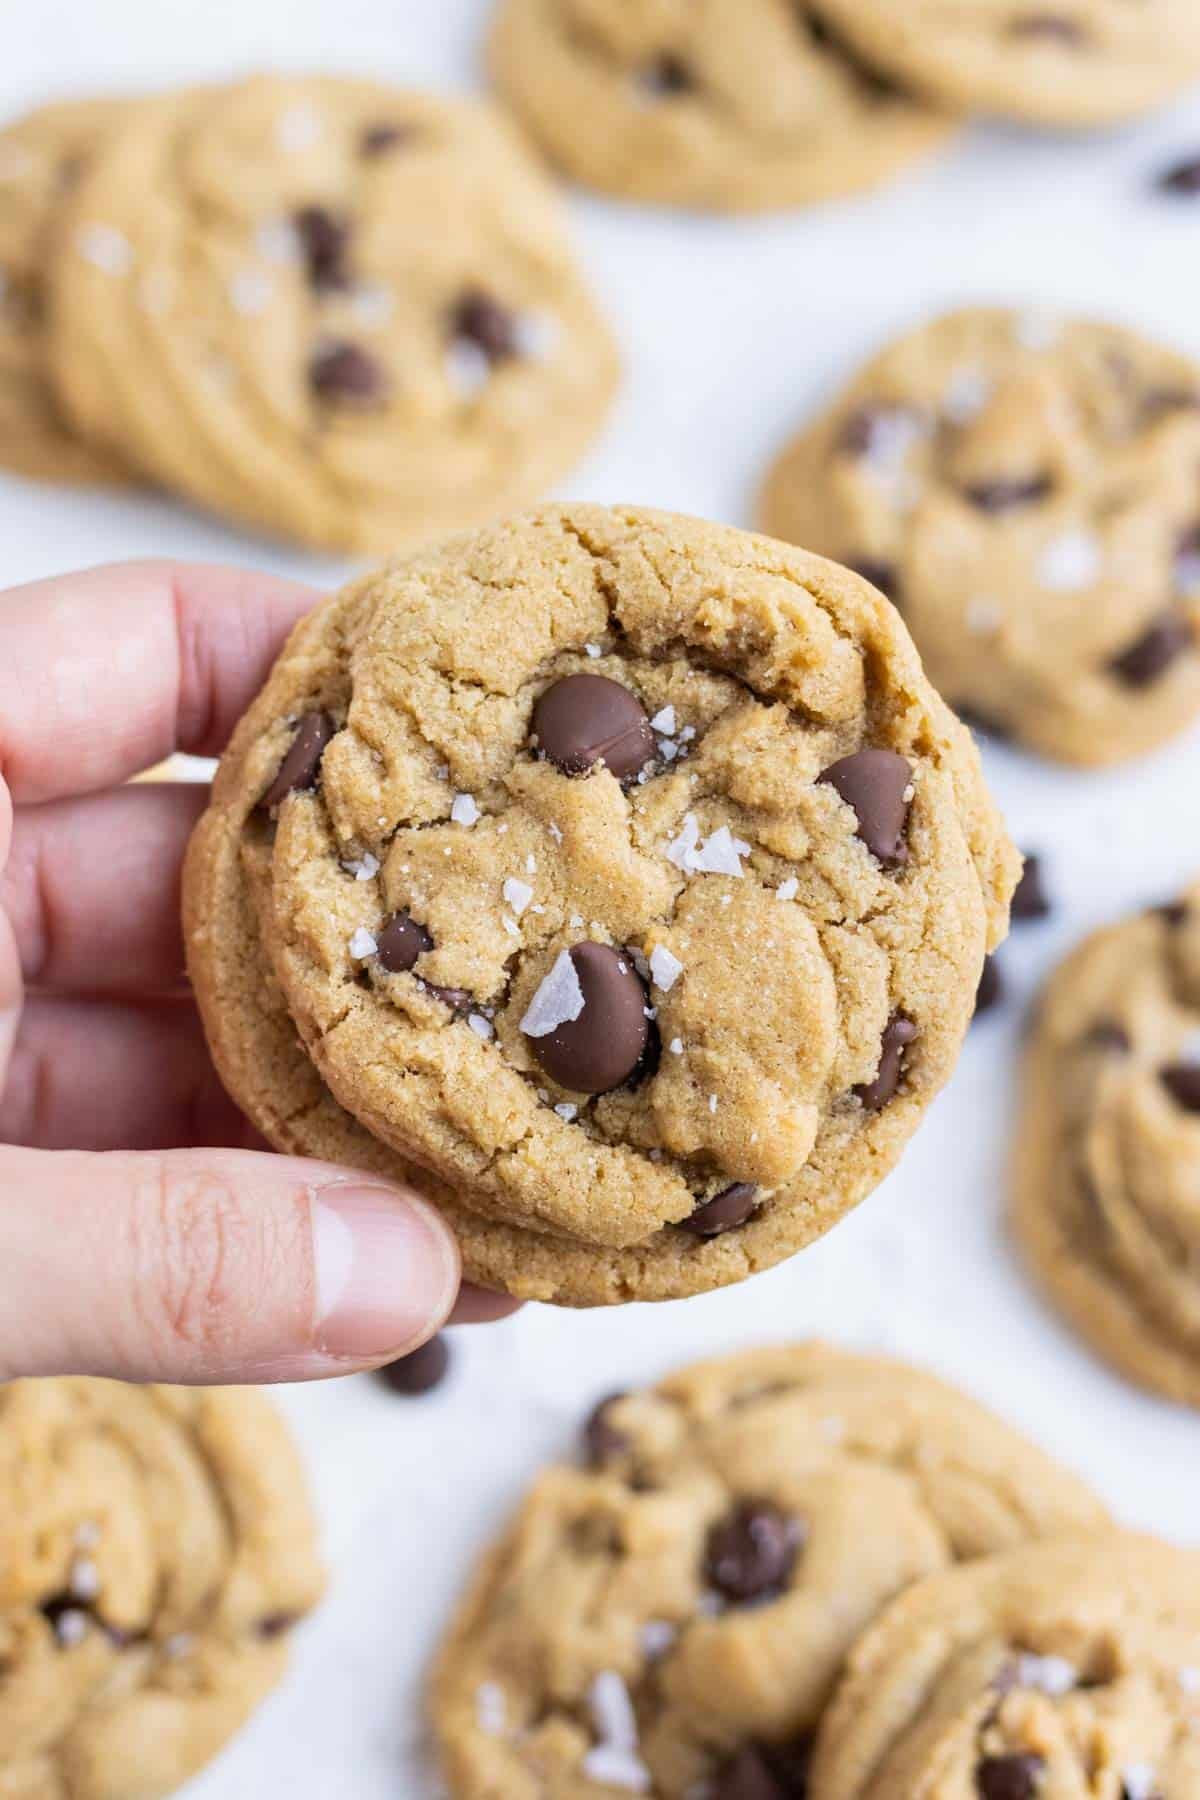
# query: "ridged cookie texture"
[[670, 1616], [727, 105], [1023, 486], [156, 1547], [1107, 1170], [649, 1030], [342, 312]]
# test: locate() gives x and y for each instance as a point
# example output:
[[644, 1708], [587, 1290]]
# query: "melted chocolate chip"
[[401, 942], [1015, 1777], [1175, 912], [1031, 900], [325, 240], [344, 374], [1051, 26], [1182, 1082], [791, 1765], [377, 140], [485, 323], [459, 1000], [1181, 178], [1149, 659], [276, 1625], [990, 991], [668, 74], [875, 783], [1007, 496], [1161, 402], [748, 1777], [605, 1045], [588, 719], [751, 1554], [898, 1034], [602, 1441], [419, 1373], [732, 1207], [302, 763]]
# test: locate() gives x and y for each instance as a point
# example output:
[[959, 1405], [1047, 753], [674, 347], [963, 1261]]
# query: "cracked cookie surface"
[[1107, 1178], [157, 1548], [1024, 488], [652, 1031], [342, 312], [735, 105], [1056, 1669], [1057, 62], [672, 1615]]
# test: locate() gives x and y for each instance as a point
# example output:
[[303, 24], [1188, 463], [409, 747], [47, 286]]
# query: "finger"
[[10, 962], [183, 649], [212, 1266], [481, 1306], [92, 889], [97, 1075]]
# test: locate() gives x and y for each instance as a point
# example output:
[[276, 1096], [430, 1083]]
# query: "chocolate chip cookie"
[[342, 312], [157, 1549], [735, 105], [670, 1616], [1054, 62], [1056, 1669], [41, 156], [622, 871], [1107, 1190], [1024, 488]]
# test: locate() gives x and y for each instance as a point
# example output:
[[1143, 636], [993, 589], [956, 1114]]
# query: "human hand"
[[145, 1230]]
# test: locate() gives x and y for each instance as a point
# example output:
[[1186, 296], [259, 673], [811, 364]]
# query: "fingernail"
[[386, 1271]]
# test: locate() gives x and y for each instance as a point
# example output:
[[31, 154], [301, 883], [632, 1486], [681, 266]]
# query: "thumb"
[[212, 1266]]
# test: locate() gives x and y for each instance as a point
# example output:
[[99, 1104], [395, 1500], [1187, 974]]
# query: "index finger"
[[104, 673]]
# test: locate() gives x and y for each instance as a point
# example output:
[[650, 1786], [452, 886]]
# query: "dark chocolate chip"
[[1147, 660], [1182, 177], [344, 374], [604, 1046], [583, 720], [1051, 26], [875, 783], [751, 1554], [882, 575], [898, 1034], [724, 1212], [1031, 900], [302, 764], [377, 140], [1175, 912], [401, 942], [1014, 1777], [459, 1000], [485, 323], [748, 1777], [420, 1372], [325, 240], [1182, 1082], [276, 1625], [990, 991], [1007, 496], [791, 1765], [1108, 1036], [1161, 402], [667, 74], [602, 1441]]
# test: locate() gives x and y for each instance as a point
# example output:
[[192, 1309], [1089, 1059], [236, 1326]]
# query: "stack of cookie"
[[338, 312]]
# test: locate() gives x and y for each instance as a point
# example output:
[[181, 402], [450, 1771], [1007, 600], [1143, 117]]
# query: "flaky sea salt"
[[491, 1709], [1139, 1781], [105, 248], [1052, 1675], [463, 809], [362, 944], [616, 1769], [250, 292], [1189, 1680], [676, 1046], [664, 721], [299, 128], [517, 894], [1070, 562], [966, 395], [83, 1582], [365, 868], [373, 305], [593, 650], [483, 1028], [665, 968], [538, 335], [712, 1103], [658, 1636], [787, 890], [721, 853], [558, 1000], [566, 1111], [1037, 329], [613, 1717], [468, 367], [681, 850]]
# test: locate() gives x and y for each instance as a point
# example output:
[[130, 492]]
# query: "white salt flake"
[[83, 1582], [464, 810], [1052, 1675], [179, 1645], [538, 335], [613, 1717], [1189, 1680], [566, 1111], [1070, 562], [531, 865], [681, 849], [278, 241], [365, 868], [575, 922], [71, 1627], [687, 734], [87, 1534], [665, 968], [658, 1636], [491, 1708], [966, 395], [676, 1046], [362, 944], [721, 854], [517, 894], [483, 1028], [893, 433], [555, 832], [593, 650], [1139, 1781], [787, 890], [468, 367], [299, 128], [557, 1002], [250, 292], [373, 305], [105, 248], [511, 926], [616, 1768], [1038, 328], [712, 1103], [650, 1012], [664, 721], [668, 749]]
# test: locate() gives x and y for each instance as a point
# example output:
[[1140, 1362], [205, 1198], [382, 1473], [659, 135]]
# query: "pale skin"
[[146, 1231]]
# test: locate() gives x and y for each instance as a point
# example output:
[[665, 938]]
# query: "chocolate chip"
[[1175, 912], [377, 140], [401, 942], [791, 1765], [1031, 900], [1108, 1036], [602, 1442], [724, 1212], [1181, 178], [325, 240], [302, 764], [1013, 1777], [990, 991], [420, 1372], [1051, 26], [484, 322], [276, 1625], [1182, 1082], [751, 1554], [603, 1047], [898, 1034], [459, 1000], [344, 374], [668, 74], [882, 575], [875, 783], [586, 719], [1006, 496], [748, 1777], [1147, 660], [1159, 403]]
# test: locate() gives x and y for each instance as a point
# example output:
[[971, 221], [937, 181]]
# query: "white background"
[[731, 329]]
